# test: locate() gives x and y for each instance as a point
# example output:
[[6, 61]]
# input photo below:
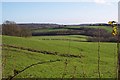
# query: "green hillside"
[[19, 53], [67, 28]]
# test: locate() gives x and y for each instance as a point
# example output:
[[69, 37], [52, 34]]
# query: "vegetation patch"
[[44, 52]]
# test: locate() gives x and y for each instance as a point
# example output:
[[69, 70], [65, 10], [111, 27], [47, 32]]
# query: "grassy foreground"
[[83, 67]]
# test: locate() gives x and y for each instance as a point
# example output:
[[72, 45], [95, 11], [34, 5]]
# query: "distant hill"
[[48, 25], [37, 25]]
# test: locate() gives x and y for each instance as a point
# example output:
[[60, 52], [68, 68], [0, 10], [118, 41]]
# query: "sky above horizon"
[[60, 12]]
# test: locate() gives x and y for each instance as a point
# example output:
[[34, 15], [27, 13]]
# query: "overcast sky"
[[87, 11]]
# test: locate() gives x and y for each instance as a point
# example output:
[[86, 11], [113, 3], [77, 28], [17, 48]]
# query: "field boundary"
[[63, 40], [44, 52]]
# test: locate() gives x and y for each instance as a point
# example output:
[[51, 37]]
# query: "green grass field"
[[108, 28], [64, 38], [49, 30], [86, 66]]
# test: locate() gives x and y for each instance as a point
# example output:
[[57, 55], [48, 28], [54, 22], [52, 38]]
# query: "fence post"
[[99, 53], [118, 45]]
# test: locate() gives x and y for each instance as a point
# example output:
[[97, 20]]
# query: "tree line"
[[12, 29]]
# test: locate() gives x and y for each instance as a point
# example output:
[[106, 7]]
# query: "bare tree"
[[12, 29]]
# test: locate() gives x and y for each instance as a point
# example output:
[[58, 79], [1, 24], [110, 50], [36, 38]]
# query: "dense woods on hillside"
[[104, 35]]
